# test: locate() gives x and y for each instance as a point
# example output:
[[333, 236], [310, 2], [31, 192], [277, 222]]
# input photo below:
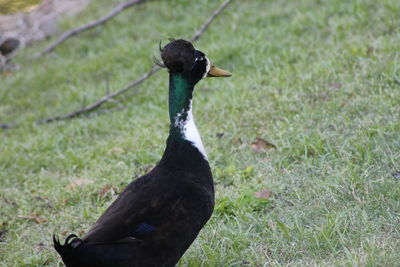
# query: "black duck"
[[158, 216]]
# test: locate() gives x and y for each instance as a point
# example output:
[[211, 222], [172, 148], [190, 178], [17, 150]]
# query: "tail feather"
[[77, 253]]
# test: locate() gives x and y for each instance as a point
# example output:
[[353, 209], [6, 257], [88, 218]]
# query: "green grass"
[[316, 78]]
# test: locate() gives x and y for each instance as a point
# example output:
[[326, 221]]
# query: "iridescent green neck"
[[180, 96], [182, 129]]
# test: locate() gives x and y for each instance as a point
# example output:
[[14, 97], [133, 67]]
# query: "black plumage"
[[157, 217]]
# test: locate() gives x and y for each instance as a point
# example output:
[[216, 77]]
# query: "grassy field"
[[316, 78]]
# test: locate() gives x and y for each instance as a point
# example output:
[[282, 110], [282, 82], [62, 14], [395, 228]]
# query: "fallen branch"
[[102, 100], [115, 11], [204, 27], [145, 76]]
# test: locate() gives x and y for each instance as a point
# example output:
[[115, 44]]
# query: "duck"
[[158, 215]]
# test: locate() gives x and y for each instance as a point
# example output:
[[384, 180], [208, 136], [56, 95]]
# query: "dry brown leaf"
[[80, 182], [237, 141], [33, 216], [335, 85], [116, 151], [63, 233], [108, 189], [370, 50], [265, 193], [261, 145]]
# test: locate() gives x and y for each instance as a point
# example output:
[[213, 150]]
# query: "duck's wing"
[[137, 211], [176, 209]]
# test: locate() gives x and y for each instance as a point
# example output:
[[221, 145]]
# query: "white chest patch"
[[190, 131]]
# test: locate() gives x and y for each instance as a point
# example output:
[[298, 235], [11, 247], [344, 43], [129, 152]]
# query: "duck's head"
[[180, 57]]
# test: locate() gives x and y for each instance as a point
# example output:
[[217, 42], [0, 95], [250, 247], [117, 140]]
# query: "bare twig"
[[204, 27], [102, 100], [106, 110], [115, 11], [145, 76]]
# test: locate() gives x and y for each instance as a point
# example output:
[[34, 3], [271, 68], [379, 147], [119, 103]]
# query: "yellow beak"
[[217, 72]]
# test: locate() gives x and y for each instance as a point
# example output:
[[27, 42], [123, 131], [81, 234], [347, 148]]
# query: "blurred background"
[[303, 140]]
